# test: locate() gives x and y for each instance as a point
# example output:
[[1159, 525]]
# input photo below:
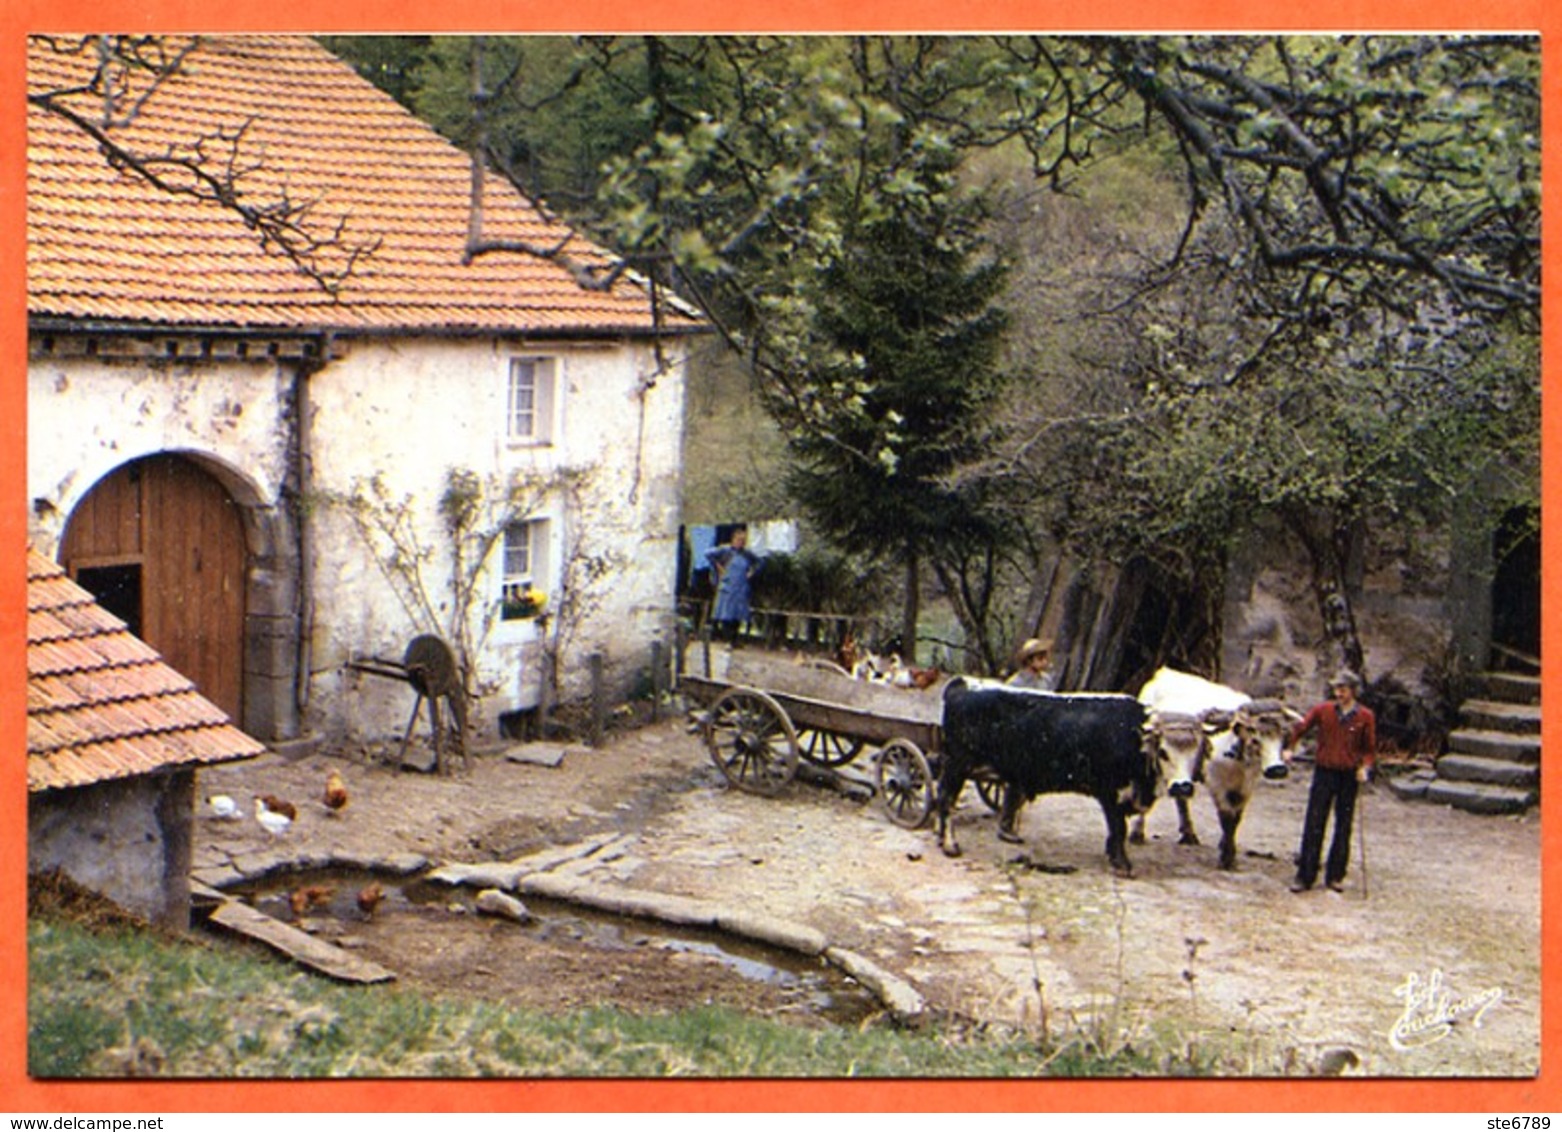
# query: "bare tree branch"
[[128, 74]]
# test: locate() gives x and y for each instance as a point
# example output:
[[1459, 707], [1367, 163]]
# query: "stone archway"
[[1515, 593]]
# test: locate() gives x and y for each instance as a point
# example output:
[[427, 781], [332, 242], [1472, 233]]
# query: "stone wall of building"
[[606, 487], [129, 840]]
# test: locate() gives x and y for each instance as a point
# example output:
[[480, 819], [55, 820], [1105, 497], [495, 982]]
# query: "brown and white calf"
[[1242, 737]]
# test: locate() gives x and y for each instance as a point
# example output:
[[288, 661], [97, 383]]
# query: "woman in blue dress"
[[735, 566]]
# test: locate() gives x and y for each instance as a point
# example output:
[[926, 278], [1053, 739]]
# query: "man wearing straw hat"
[[1035, 669], [1347, 741]]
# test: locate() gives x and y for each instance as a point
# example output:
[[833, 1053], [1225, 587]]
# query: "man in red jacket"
[[1347, 741]]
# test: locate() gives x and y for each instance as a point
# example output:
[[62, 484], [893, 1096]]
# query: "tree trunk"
[[974, 614], [1040, 597], [1328, 540], [1114, 622], [913, 606]]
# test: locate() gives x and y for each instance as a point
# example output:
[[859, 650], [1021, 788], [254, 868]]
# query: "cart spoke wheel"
[[751, 739], [991, 790], [905, 783], [827, 748]]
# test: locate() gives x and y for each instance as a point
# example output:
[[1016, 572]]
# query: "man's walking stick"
[[1361, 832]]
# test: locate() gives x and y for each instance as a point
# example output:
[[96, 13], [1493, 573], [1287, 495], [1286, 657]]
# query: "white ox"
[[1241, 738]]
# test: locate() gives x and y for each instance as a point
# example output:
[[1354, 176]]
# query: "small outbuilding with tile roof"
[[114, 740], [294, 401]]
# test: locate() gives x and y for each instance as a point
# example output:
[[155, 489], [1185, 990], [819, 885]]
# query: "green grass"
[[115, 999]]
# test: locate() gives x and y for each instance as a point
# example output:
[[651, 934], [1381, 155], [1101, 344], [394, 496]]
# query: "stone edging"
[[247, 868]]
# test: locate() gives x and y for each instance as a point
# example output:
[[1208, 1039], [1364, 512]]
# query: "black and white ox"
[[1047, 743], [1241, 739]]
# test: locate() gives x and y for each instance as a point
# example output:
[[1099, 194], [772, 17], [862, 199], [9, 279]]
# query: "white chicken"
[[274, 823], [223, 806]]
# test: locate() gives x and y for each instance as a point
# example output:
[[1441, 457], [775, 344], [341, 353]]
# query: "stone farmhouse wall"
[[408, 411]]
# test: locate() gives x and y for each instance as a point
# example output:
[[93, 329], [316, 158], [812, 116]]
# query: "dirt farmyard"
[[1041, 936]]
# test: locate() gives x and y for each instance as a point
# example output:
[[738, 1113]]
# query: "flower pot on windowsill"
[[523, 605]]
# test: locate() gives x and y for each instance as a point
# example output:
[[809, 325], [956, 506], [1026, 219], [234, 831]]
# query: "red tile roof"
[[105, 245], [101, 704]]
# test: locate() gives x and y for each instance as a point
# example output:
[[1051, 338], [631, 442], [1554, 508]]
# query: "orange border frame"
[[20, 1094]]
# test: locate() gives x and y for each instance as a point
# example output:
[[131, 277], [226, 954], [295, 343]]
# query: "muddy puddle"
[[326, 903]]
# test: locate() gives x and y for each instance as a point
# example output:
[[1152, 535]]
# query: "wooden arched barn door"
[[160, 543]]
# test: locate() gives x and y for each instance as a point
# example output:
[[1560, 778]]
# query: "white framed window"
[[530, 399], [522, 572]]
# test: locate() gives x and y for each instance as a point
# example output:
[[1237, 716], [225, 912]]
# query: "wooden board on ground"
[[537, 753], [316, 954]]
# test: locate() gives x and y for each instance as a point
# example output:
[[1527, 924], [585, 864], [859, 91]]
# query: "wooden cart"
[[765, 712]]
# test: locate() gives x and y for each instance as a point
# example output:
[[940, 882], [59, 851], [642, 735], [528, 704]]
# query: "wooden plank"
[[782, 675], [858, 723], [299, 946], [701, 689]]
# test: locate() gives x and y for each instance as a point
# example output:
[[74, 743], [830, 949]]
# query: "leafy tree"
[[908, 320], [1337, 193], [1331, 429], [1370, 166], [391, 62]]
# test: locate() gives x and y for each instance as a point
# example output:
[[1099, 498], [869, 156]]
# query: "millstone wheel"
[[826, 748], [991, 790], [905, 783], [751, 739]]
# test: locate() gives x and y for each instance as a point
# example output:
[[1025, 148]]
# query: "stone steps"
[[1513, 687], [1493, 761], [1497, 772], [1496, 745], [1499, 715], [1481, 797], [1411, 787]]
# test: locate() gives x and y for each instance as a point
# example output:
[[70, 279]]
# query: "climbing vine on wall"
[[440, 571]]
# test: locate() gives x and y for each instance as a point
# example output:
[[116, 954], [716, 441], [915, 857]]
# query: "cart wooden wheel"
[[905, 783], [828, 748], [751, 739], [991, 790]]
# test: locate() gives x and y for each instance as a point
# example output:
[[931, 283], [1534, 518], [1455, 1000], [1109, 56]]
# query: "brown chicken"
[[310, 896], [847, 655], [369, 898], [278, 806], [335, 793], [922, 679]]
